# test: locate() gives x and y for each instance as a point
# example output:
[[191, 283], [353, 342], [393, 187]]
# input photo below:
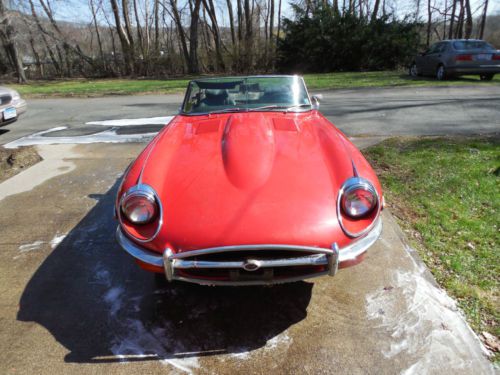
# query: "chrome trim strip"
[[146, 256], [360, 245], [344, 186], [313, 260], [334, 257], [224, 249], [150, 190]]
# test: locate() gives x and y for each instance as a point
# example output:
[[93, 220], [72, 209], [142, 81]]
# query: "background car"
[[456, 57], [11, 105], [249, 184]]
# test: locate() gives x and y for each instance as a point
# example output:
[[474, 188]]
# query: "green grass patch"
[[326, 81], [100, 87], [446, 193], [347, 80]]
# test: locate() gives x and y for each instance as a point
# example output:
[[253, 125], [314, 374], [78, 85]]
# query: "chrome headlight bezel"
[[351, 185], [131, 198], [147, 192]]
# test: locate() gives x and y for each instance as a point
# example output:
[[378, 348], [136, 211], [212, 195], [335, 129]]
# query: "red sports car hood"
[[250, 178]]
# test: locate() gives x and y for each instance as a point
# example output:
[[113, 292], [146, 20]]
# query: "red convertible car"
[[248, 184]]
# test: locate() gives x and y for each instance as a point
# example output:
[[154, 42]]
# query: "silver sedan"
[[11, 105], [457, 57]]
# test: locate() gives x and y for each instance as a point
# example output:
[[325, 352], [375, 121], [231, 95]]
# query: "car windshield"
[[243, 94], [472, 44]]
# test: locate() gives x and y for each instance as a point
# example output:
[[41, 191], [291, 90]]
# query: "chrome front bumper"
[[330, 259]]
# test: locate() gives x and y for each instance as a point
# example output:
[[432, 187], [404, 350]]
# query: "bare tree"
[[231, 22], [468, 20], [375, 10], [429, 22], [483, 20], [248, 14], [271, 31], [210, 8], [98, 35], [7, 36], [127, 47]]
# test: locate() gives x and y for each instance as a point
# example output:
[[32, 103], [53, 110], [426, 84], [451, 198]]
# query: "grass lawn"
[[446, 193], [326, 81]]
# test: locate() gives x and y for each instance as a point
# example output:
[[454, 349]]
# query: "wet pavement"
[[73, 302]]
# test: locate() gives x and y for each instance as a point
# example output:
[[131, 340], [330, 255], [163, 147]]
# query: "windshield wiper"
[[272, 106], [235, 109], [275, 106]]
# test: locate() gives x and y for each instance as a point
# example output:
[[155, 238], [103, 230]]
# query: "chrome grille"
[[253, 264]]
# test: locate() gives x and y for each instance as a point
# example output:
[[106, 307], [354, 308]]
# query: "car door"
[[433, 58], [422, 62]]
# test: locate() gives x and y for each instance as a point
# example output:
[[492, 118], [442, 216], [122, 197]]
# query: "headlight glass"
[[139, 207], [359, 199]]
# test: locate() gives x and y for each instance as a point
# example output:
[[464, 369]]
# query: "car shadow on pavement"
[[95, 301]]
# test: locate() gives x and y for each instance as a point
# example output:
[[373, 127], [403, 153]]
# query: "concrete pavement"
[[73, 302]]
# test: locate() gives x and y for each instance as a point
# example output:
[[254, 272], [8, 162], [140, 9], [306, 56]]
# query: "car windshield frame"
[[301, 99]]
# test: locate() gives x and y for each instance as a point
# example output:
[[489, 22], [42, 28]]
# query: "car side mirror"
[[316, 100]]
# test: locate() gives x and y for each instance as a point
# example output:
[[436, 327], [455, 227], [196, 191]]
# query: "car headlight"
[[359, 197], [139, 204]]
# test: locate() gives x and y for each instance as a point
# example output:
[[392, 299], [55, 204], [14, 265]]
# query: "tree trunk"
[[452, 19], [7, 34], [128, 27], [468, 21], [444, 18], [157, 27], [124, 40], [96, 27], [180, 31], [44, 34], [140, 37], [231, 22], [429, 22], [460, 26], [483, 20], [210, 8], [277, 32], [248, 35], [375, 10], [271, 32], [193, 66]]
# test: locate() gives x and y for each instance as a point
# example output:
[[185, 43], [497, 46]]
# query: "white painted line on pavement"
[[107, 136], [133, 121]]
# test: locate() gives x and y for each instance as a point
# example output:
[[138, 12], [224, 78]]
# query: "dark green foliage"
[[325, 41]]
